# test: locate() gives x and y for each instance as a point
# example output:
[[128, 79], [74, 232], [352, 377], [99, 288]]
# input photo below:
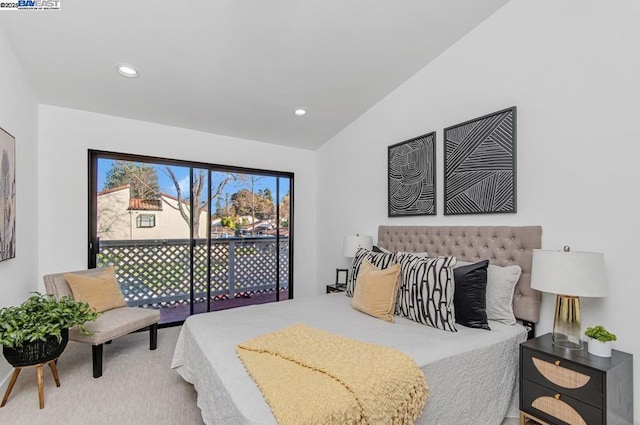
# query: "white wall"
[[570, 67], [573, 70], [19, 117], [67, 134]]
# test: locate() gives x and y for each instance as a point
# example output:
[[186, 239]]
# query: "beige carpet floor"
[[138, 387]]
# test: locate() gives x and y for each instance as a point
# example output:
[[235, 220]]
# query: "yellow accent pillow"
[[100, 291], [376, 290]]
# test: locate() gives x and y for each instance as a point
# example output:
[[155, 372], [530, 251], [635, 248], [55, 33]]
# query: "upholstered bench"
[[111, 324]]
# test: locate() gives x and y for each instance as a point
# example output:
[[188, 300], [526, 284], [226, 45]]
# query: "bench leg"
[[96, 351], [153, 336], [12, 382]]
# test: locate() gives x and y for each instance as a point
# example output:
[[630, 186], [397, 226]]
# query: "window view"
[[146, 220], [190, 239]]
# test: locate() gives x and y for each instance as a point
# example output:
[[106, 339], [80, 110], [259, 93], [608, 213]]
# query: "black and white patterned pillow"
[[379, 259], [426, 291]]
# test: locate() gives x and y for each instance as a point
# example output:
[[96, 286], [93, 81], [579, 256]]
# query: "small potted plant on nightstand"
[[600, 341]]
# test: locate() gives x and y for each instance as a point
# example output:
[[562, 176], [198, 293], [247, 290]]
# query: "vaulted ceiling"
[[235, 67]]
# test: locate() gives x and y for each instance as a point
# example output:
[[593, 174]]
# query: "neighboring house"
[[218, 231], [259, 228], [121, 217], [284, 232]]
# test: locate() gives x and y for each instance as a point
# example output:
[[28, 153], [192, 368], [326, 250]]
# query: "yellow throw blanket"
[[310, 376]]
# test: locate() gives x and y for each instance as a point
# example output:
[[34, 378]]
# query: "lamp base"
[[566, 324]]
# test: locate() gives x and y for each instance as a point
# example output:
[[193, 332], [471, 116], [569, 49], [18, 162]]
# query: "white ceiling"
[[236, 67]]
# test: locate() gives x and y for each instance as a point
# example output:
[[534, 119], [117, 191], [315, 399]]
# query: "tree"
[[183, 203], [219, 212], [228, 222], [253, 180], [260, 203], [285, 210], [264, 207], [242, 202], [227, 205], [141, 178], [266, 194], [255, 205]]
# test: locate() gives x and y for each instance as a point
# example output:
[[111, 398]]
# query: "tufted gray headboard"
[[501, 245]]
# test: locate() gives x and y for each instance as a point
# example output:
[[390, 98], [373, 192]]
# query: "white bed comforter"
[[472, 374]]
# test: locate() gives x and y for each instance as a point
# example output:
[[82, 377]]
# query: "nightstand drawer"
[[550, 406], [564, 377]]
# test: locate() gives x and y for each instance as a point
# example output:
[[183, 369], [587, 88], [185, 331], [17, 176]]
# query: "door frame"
[[93, 241]]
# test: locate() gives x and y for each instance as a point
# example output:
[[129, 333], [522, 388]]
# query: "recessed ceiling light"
[[127, 70], [300, 112]]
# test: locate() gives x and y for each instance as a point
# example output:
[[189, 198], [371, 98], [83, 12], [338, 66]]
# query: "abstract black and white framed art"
[[480, 165], [7, 196], [412, 177]]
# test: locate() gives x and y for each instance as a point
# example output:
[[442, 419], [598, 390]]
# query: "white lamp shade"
[[579, 274], [352, 243]]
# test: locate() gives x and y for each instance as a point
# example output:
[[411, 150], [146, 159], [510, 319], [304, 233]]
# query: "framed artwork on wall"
[[7, 196], [412, 177], [480, 165]]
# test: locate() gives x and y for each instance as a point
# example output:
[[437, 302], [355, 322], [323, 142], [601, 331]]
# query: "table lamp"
[[570, 275], [351, 244]]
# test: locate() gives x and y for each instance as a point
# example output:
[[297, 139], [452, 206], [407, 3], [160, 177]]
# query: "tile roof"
[[145, 204]]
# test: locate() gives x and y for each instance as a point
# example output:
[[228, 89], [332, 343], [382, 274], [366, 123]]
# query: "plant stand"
[[40, 374]]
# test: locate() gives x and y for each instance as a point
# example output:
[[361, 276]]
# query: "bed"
[[472, 374]]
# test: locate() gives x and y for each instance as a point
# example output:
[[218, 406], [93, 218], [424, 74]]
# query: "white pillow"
[[501, 283]]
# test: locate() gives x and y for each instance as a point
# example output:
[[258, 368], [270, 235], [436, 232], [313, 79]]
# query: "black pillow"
[[470, 296]]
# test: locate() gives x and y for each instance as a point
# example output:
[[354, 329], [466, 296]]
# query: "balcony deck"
[[233, 272], [178, 313]]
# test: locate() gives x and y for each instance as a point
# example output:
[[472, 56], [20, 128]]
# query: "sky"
[[182, 175]]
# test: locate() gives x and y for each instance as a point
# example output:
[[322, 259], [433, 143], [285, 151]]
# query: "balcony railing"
[[157, 273]]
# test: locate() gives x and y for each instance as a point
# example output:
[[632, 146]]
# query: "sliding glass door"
[[188, 238]]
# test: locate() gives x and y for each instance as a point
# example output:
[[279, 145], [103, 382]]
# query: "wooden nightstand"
[[336, 288], [560, 386]]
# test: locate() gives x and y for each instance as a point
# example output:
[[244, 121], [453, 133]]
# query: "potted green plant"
[[600, 341], [37, 331]]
